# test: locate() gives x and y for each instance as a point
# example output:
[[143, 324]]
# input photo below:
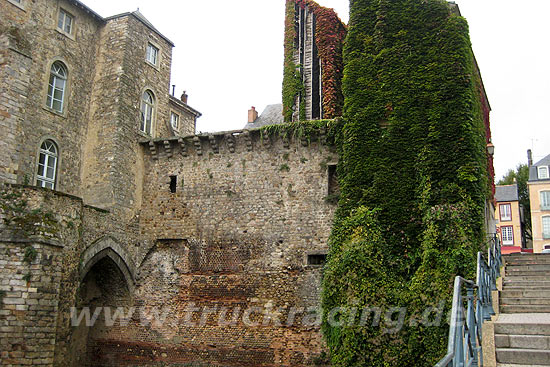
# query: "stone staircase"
[[522, 329]]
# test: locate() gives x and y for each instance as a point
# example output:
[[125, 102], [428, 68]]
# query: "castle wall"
[[235, 236]]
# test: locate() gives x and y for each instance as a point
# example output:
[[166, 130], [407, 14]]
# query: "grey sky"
[[229, 54]]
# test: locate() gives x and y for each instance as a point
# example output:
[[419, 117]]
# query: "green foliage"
[[2, 295], [412, 150], [284, 167], [23, 220], [520, 176], [30, 254], [27, 277]]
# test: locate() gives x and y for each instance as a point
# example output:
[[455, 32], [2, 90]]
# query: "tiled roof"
[[506, 193]]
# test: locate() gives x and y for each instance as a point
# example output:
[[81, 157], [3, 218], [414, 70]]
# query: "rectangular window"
[[152, 54], [546, 228], [507, 235], [317, 259], [543, 172], [175, 120], [545, 200], [65, 22], [505, 212]]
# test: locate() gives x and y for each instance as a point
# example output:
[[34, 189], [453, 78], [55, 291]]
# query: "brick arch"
[[108, 247]]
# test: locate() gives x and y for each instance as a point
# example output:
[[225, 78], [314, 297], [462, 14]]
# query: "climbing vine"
[[413, 178], [330, 33]]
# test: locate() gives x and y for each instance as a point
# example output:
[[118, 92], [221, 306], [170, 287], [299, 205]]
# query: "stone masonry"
[[170, 221]]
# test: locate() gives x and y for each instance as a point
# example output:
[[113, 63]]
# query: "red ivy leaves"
[[329, 38]]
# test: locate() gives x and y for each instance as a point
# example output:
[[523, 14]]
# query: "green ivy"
[[412, 175]]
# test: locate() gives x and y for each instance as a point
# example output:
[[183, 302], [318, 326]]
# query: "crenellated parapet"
[[227, 142]]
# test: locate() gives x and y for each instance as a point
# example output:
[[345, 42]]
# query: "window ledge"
[[51, 110], [545, 208], [68, 35], [19, 5], [156, 67], [546, 236]]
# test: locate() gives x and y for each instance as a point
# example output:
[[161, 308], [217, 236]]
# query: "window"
[[152, 54], [317, 259], [174, 120], [507, 235], [546, 228], [173, 184], [47, 165], [505, 212], [543, 172], [65, 22], [545, 200], [57, 86], [147, 109]]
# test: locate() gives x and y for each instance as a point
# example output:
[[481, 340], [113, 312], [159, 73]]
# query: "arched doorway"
[[103, 306]]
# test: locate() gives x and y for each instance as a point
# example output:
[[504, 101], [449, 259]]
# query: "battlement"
[[287, 136]]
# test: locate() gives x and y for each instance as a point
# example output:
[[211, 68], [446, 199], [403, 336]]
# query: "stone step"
[[518, 365], [520, 261], [527, 293], [523, 324], [539, 284], [522, 341], [528, 273], [524, 301], [537, 278], [530, 267], [523, 356], [525, 309]]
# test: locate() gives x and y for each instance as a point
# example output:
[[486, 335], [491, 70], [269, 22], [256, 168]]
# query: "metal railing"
[[465, 335]]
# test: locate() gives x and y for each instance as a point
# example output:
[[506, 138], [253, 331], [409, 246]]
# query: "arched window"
[[57, 86], [47, 165], [147, 110]]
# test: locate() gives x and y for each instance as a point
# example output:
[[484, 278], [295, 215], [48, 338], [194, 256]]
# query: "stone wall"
[[235, 236]]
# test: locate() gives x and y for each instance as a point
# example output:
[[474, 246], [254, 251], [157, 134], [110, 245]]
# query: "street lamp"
[[490, 149]]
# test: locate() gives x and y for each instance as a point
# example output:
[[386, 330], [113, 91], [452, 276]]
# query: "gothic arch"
[[108, 247]]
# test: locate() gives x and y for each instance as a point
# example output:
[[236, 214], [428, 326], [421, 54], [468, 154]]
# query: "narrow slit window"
[[173, 184]]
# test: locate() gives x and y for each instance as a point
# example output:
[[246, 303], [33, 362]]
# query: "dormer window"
[[65, 22], [543, 172], [152, 54]]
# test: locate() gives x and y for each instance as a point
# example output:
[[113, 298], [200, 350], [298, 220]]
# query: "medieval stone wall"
[[233, 236]]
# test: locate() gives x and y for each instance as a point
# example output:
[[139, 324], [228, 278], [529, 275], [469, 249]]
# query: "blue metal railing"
[[465, 335]]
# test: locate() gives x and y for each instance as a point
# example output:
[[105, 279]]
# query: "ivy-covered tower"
[[416, 180], [313, 64]]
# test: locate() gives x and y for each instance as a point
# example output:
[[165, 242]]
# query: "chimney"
[[184, 97], [529, 157], [252, 115]]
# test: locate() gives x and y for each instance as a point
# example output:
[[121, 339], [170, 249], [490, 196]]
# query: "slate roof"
[[533, 173], [506, 193], [272, 115]]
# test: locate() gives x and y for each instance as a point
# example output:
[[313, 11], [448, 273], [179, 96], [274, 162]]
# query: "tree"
[[520, 176]]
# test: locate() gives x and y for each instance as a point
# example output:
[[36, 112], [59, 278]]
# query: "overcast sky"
[[229, 57]]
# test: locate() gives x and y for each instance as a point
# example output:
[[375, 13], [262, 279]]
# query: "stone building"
[[110, 200], [539, 196], [207, 249]]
